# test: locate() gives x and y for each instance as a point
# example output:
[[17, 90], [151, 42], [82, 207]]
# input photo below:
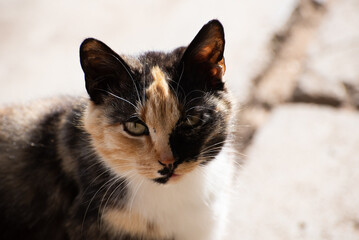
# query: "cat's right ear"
[[203, 59], [104, 69]]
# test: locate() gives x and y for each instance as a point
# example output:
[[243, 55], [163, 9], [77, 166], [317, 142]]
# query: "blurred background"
[[292, 64]]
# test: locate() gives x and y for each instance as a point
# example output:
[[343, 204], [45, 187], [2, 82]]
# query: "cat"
[[145, 156]]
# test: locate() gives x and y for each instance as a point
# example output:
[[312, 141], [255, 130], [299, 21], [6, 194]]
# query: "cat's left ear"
[[204, 56]]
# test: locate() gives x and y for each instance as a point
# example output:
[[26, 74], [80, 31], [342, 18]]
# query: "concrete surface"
[[331, 72], [301, 178]]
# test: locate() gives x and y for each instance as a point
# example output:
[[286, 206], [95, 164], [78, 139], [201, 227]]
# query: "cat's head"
[[159, 115]]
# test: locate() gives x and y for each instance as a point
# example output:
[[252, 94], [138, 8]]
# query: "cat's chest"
[[177, 208], [189, 209]]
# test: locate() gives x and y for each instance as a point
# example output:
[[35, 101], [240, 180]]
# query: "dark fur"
[[52, 182]]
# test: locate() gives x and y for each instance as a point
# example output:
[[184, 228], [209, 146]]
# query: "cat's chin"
[[173, 178]]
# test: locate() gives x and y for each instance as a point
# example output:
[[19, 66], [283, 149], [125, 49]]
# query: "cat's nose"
[[166, 158], [167, 162]]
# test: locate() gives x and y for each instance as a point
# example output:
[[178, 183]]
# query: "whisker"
[[135, 193], [217, 143], [193, 91], [144, 81], [200, 107], [93, 197], [180, 78], [193, 100], [103, 209], [114, 95], [175, 92], [129, 74]]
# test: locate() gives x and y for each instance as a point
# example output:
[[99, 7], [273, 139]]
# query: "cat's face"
[[159, 115]]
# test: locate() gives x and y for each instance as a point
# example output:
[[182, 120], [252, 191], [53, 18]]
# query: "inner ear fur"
[[208, 45], [203, 59]]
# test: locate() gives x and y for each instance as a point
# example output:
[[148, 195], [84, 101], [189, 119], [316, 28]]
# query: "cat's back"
[[19, 123], [22, 124], [33, 189], [17, 120]]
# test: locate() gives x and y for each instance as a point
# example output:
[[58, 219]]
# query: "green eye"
[[193, 120], [136, 128]]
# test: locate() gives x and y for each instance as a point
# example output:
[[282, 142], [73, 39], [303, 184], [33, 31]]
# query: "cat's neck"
[[197, 196]]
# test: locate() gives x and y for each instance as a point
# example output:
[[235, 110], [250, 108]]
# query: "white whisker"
[[129, 74]]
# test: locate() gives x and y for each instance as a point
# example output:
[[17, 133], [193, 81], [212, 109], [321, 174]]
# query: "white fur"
[[193, 208]]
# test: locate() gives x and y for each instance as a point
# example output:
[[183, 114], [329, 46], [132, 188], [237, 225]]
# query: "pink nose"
[[167, 162]]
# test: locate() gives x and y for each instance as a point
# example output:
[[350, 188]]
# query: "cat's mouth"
[[175, 175], [168, 173], [167, 178]]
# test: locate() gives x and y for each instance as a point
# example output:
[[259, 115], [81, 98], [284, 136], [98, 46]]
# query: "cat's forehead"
[[144, 63], [152, 76], [161, 105]]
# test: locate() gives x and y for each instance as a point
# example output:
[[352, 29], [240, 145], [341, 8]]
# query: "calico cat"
[[145, 157]]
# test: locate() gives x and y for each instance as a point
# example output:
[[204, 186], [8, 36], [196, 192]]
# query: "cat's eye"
[[136, 128], [193, 120]]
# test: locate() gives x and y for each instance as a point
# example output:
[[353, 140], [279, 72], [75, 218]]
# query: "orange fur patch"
[[117, 150], [126, 154], [161, 113], [223, 65], [159, 87]]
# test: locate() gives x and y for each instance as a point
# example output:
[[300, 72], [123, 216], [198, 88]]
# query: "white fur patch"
[[193, 208]]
